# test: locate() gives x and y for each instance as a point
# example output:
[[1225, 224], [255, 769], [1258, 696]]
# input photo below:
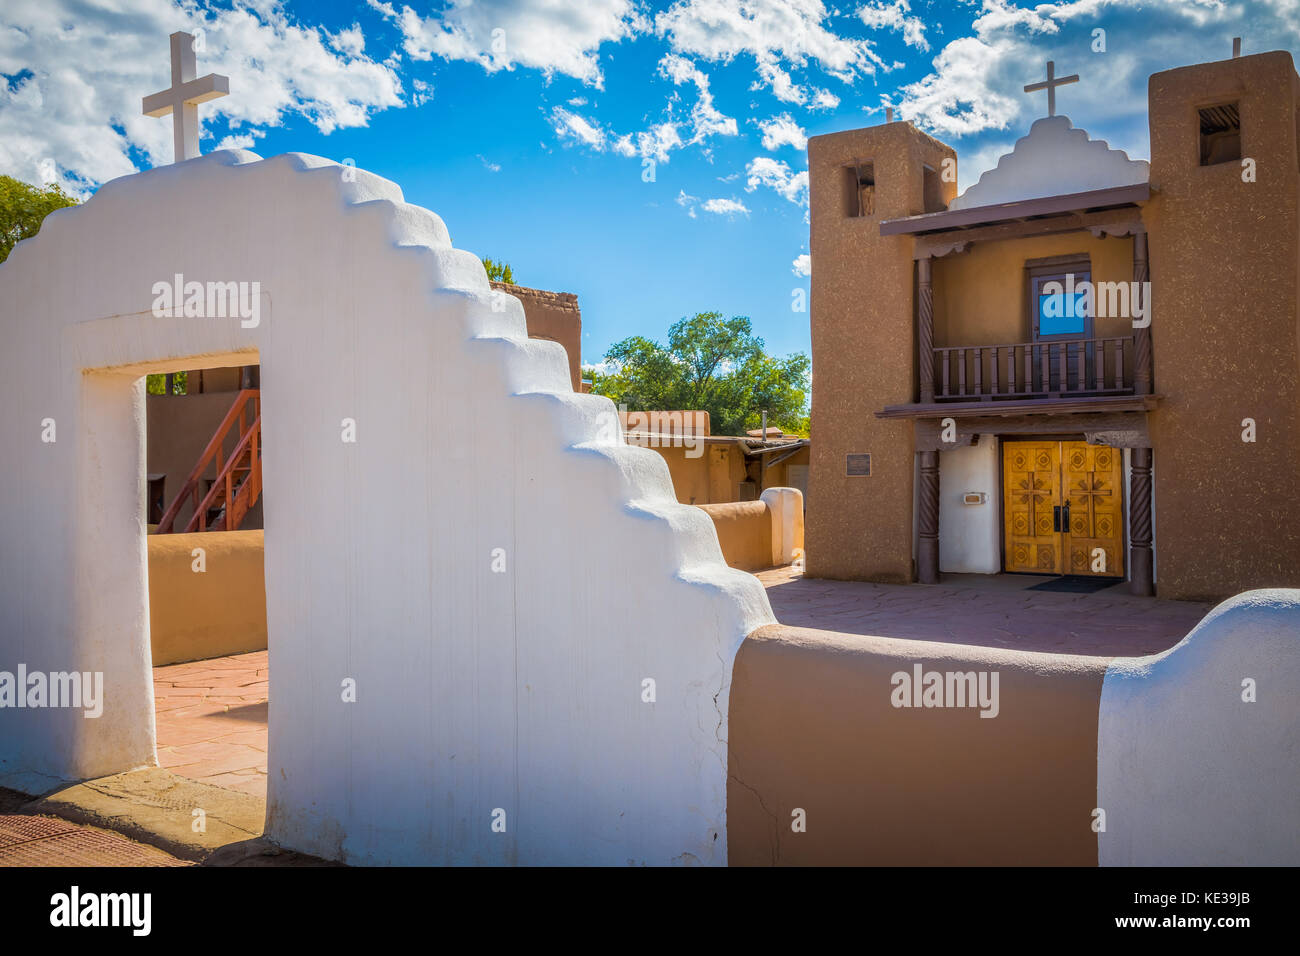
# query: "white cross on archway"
[[184, 97], [1051, 85]]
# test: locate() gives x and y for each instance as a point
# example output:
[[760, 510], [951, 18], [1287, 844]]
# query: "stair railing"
[[249, 438]]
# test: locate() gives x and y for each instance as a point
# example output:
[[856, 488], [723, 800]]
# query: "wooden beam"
[[1037, 406], [1021, 209], [1109, 222]]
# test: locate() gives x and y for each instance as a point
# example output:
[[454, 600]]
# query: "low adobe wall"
[[760, 534], [197, 615], [1150, 761]]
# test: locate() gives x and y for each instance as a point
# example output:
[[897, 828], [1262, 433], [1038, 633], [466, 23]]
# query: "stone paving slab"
[[157, 806], [987, 611], [211, 721]]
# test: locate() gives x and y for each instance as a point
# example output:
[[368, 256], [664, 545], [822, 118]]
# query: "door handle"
[[1065, 517], [1056, 518]]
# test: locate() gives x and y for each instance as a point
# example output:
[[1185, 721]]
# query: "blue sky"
[[528, 124]]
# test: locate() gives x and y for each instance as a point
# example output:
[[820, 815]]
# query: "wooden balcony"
[[1066, 368]]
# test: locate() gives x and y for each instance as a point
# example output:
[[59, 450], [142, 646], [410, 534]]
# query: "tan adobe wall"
[[744, 532], [812, 727], [554, 316], [863, 347], [1224, 261], [222, 610]]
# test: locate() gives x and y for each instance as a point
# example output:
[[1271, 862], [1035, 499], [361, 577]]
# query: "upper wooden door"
[[1063, 508]]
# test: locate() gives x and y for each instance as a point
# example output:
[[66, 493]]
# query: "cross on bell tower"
[[1050, 85], [183, 98]]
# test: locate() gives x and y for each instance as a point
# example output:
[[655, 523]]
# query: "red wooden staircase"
[[222, 502]]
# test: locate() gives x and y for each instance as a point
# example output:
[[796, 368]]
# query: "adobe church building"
[[970, 419]]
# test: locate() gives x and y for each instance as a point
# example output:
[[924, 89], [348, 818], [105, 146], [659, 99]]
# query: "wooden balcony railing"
[[1064, 368]]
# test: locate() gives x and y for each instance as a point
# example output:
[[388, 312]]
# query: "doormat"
[[1075, 584]]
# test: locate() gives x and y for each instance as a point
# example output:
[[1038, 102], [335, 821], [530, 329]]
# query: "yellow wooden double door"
[[1063, 508]]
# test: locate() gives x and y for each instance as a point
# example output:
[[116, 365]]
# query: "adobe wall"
[[553, 316], [744, 533], [766, 533], [453, 529], [1183, 768], [221, 610], [863, 347], [1225, 326], [813, 729]]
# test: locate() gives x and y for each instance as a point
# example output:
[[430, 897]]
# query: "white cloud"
[[777, 34], [824, 100], [489, 166], [977, 81], [423, 92], [781, 131], [879, 14], [802, 265], [80, 70], [656, 142], [774, 174], [572, 126], [241, 141], [501, 34], [725, 207], [706, 120], [687, 202]]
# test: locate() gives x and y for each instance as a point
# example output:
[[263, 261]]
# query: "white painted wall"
[[970, 535], [1188, 773], [475, 690]]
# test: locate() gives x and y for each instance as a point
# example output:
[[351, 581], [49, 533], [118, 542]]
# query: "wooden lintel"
[[1041, 406], [1113, 222]]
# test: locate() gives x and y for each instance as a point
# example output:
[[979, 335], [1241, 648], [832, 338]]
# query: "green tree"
[[23, 207], [712, 364], [499, 271]]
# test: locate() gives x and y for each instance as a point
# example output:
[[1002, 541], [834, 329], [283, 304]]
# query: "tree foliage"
[[499, 271], [22, 209], [712, 364]]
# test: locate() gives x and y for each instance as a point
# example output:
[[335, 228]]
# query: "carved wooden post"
[[927, 549], [925, 329], [1139, 524], [1142, 336]]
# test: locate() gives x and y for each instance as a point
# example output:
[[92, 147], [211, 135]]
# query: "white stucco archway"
[[477, 689]]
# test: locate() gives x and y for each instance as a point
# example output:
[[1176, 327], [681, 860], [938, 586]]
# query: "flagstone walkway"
[[211, 719]]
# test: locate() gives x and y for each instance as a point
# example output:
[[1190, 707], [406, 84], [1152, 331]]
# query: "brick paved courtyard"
[[991, 611]]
